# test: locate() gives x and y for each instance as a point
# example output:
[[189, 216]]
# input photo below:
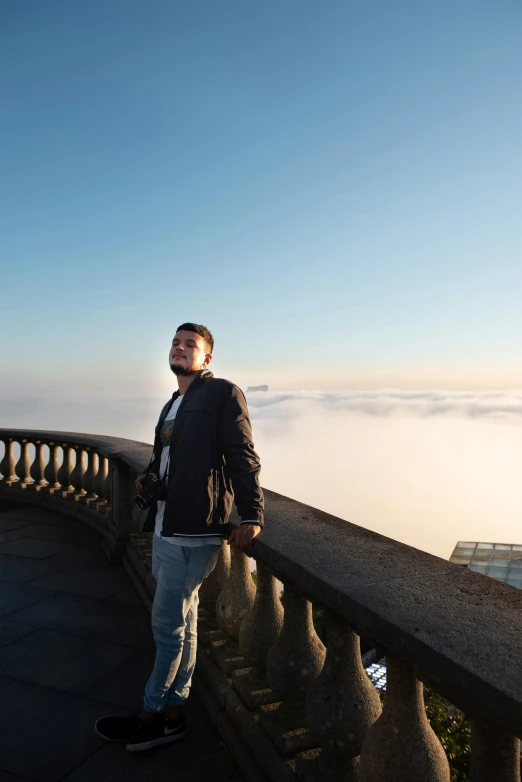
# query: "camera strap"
[[166, 476]]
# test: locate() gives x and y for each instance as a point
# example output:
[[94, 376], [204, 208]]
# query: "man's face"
[[188, 353]]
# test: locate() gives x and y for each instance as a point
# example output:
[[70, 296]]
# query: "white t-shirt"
[[178, 540]]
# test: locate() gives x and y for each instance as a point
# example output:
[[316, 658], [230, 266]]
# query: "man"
[[204, 453]]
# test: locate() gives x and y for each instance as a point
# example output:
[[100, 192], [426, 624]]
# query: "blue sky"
[[333, 187]]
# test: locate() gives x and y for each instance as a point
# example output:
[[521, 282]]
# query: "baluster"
[[214, 583], [262, 625], [402, 745], [294, 662], [7, 465], [495, 756], [100, 486], [89, 479], [78, 473], [38, 467], [297, 657], [66, 470], [23, 465], [51, 471], [107, 482], [342, 703], [237, 596]]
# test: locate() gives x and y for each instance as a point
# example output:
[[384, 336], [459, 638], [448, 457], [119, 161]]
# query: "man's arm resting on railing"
[[243, 535]]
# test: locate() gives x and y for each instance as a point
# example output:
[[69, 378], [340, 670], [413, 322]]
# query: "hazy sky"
[[333, 187]]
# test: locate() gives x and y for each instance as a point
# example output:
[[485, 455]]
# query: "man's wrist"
[[254, 521]]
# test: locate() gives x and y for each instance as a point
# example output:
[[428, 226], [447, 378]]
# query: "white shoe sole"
[[156, 742]]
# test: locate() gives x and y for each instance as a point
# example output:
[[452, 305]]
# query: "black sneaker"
[[115, 728], [156, 731]]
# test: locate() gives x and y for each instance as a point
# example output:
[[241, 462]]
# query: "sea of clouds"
[[428, 468], [497, 405]]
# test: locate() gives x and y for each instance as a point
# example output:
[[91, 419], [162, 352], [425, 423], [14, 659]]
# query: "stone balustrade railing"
[[286, 705]]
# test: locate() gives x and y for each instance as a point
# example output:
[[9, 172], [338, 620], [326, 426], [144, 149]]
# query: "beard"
[[183, 371]]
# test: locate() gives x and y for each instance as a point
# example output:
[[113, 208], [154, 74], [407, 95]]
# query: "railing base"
[[114, 550]]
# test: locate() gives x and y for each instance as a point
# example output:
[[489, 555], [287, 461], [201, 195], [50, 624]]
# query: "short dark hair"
[[198, 329]]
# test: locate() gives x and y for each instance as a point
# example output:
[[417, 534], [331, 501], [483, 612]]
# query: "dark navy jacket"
[[212, 461]]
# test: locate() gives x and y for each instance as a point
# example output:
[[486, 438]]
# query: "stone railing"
[[287, 706]]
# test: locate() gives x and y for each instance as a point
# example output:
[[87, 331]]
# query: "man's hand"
[[139, 479], [243, 536]]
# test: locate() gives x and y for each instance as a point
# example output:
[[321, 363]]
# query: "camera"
[[153, 490]]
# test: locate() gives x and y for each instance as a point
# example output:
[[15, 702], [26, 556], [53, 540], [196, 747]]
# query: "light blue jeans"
[[179, 572]]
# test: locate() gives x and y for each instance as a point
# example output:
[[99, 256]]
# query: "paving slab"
[[199, 756], [91, 582], [125, 686], [76, 644], [34, 548], [128, 596], [34, 514], [74, 532], [135, 632], [78, 615], [12, 534], [6, 777], [6, 506], [16, 596], [89, 555], [11, 631], [64, 662], [19, 570], [64, 737], [12, 524]]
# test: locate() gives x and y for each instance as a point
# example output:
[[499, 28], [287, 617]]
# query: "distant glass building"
[[501, 561], [377, 674]]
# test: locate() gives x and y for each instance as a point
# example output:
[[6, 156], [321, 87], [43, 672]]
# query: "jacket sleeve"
[[242, 464]]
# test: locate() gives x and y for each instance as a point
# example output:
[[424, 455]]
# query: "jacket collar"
[[195, 384]]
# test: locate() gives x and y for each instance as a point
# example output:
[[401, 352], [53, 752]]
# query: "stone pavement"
[[75, 644]]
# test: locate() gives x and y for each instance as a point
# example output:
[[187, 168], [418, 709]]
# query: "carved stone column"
[[237, 596], [78, 473], [297, 657], [495, 756], [23, 465], [342, 703], [402, 745], [89, 479], [214, 583], [294, 662], [101, 484], [66, 470], [51, 471], [262, 625], [38, 467], [7, 465]]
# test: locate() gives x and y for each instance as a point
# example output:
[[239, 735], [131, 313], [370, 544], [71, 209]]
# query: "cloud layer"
[[494, 405], [426, 468]]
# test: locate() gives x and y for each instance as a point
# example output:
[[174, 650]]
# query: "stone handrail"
[[284, 703]]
